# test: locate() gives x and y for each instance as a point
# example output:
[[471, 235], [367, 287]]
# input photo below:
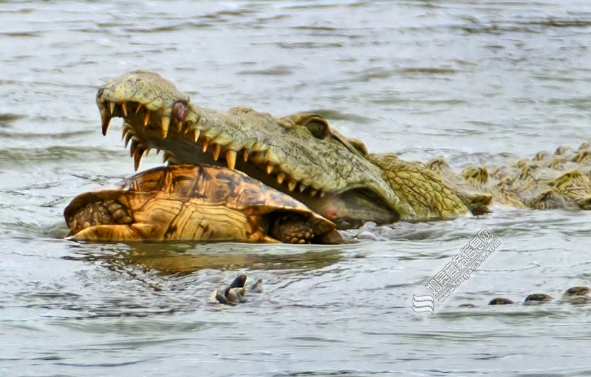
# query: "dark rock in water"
[[236, 292], [500, 301], [578, 295], [239, 282], [536, 298], [257, 287], [235, 295], [578, 291]]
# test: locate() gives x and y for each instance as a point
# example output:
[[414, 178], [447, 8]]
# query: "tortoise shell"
[[188, 202]]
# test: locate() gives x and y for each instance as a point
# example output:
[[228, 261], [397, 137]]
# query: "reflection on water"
[[474, 82], [187, 258]]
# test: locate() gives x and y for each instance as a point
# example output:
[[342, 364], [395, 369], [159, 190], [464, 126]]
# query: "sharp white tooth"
[[165, 125], [147, 118], [321, 194], [112, 107], [124, 108], [280, 177], [245, 155], [138, 108], [313, 192], [205, 144], [302, 187], [105, 120], [216, 151], [291, 185], [270, 168], [196, 134], [231, 158]]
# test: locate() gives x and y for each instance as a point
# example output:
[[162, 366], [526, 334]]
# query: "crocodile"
[[335, 176]]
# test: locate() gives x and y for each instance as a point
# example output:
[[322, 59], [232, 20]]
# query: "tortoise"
[[194, 203]]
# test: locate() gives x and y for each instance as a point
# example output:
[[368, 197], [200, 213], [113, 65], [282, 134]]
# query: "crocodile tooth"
[[137, 157], [165, 125], [124, 132], [291, 185], [179, 126], [280, 177], [205, 144], [245, 155], [167, 156], [124, 108], [270, 168], [106, 120], [321, 194], [127, 138], [133, 148], [196, 134], [231, 158], [302, 187], [112, 107], [313, 192], [147, 118], [138, 108], [216, 151]]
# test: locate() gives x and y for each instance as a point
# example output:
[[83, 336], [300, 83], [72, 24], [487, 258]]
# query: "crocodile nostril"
[[180, 109]]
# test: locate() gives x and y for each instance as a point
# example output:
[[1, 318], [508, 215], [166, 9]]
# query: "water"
[[471, 81]]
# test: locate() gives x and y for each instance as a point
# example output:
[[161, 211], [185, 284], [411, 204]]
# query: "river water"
[[473, 81]]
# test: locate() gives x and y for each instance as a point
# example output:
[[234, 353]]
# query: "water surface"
[[474, 82]]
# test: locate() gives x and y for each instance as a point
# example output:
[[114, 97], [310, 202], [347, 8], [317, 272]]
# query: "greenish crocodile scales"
[[304, 158]]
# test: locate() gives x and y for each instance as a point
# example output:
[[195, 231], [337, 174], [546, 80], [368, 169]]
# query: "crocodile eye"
[[318, 128]]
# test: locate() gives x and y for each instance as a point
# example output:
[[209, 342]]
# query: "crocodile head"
[[299, 155]]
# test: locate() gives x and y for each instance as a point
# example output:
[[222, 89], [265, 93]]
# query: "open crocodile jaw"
[[167, 127]]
